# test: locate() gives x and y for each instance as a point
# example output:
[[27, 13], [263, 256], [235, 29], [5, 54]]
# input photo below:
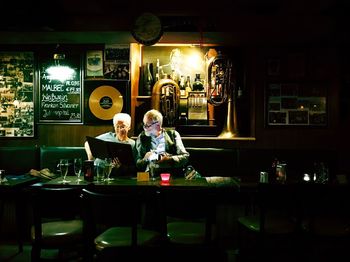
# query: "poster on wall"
[[17, 94], [296, 104]]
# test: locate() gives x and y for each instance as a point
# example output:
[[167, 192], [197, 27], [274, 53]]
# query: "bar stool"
[[326, 221], [189, 215], [273, 225], [57, 223], [112, 224]]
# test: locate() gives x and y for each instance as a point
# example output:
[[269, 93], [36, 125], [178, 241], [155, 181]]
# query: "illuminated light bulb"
[[60, 73], [306, 177]]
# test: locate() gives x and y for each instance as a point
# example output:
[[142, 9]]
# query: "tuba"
[[221, 89], [166, 98]]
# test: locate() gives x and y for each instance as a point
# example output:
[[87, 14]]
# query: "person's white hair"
[[126, 118], [154, 115]]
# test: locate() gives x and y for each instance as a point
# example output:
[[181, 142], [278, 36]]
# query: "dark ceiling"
[[179, 15]]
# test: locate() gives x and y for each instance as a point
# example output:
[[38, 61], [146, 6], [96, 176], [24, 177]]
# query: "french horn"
[[166, 98], [221, 89]]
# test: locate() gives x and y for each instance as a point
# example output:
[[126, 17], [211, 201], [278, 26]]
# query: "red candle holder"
[[165, 177]]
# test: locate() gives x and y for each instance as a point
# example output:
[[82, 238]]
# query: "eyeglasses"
[[149, 125], [120, 126]]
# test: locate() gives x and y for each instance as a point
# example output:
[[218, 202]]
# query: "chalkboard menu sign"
[[60, 90]]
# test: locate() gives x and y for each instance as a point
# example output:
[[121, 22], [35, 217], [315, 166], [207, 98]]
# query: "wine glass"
[[108, 169], [64, 169], [77, 168]]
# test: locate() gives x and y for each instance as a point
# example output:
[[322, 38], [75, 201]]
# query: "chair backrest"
[[18, 160], [54, 204], [328, 203], [51, 155], [189, 203], [103, 209], [278, 202]]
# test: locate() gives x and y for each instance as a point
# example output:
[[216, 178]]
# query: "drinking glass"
[[108, 169], [64, 170], [100, 171], [152, 170], [78, 164]]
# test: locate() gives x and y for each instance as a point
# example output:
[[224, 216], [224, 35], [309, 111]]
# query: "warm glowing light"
[[306, 177], [195, 60], [60, 73], [165, 177]]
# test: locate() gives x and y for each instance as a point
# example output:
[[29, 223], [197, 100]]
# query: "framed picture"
[[296, 104], [117, 52], [94, 63], [103, 99], [117, 70], [17, 94]]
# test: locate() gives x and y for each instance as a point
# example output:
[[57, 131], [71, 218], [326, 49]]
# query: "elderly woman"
[[121, 124]]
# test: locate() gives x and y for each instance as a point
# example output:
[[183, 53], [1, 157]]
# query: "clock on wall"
[[147, 29]]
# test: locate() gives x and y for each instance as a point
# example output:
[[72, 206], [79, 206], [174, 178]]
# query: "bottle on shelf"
[[157, 70], [188, 86], [148, 84], [198, 84], [174, 76], [182, 86]]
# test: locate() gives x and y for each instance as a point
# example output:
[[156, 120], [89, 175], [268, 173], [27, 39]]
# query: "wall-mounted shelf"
[[143, 97]]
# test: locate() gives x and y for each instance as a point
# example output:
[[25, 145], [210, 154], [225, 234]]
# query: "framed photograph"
[[94, 63], [296, 104], [123, 71], [17, 94], [117, 70], [117, 52]]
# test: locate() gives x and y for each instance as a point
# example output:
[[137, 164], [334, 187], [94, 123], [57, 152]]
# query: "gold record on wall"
[[105, 101]]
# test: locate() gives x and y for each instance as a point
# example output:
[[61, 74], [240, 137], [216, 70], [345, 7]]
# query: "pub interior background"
[[309, 41], [272, 44]]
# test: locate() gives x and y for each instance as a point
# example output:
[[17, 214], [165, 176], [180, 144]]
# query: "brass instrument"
[[221, 89], [166, 99]]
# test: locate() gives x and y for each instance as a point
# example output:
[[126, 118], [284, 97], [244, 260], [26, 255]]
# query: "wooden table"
[[128, 182], [12, 189]]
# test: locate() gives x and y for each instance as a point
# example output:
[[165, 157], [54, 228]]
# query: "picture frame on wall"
[[296, 104], [17, 116], [115, 70], [103, 99], [94, 63]]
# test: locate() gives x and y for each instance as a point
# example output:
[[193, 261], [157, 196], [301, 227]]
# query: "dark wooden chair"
[[56, 221], [189, 215], [112, 224], [326, 221], [273, 224]]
